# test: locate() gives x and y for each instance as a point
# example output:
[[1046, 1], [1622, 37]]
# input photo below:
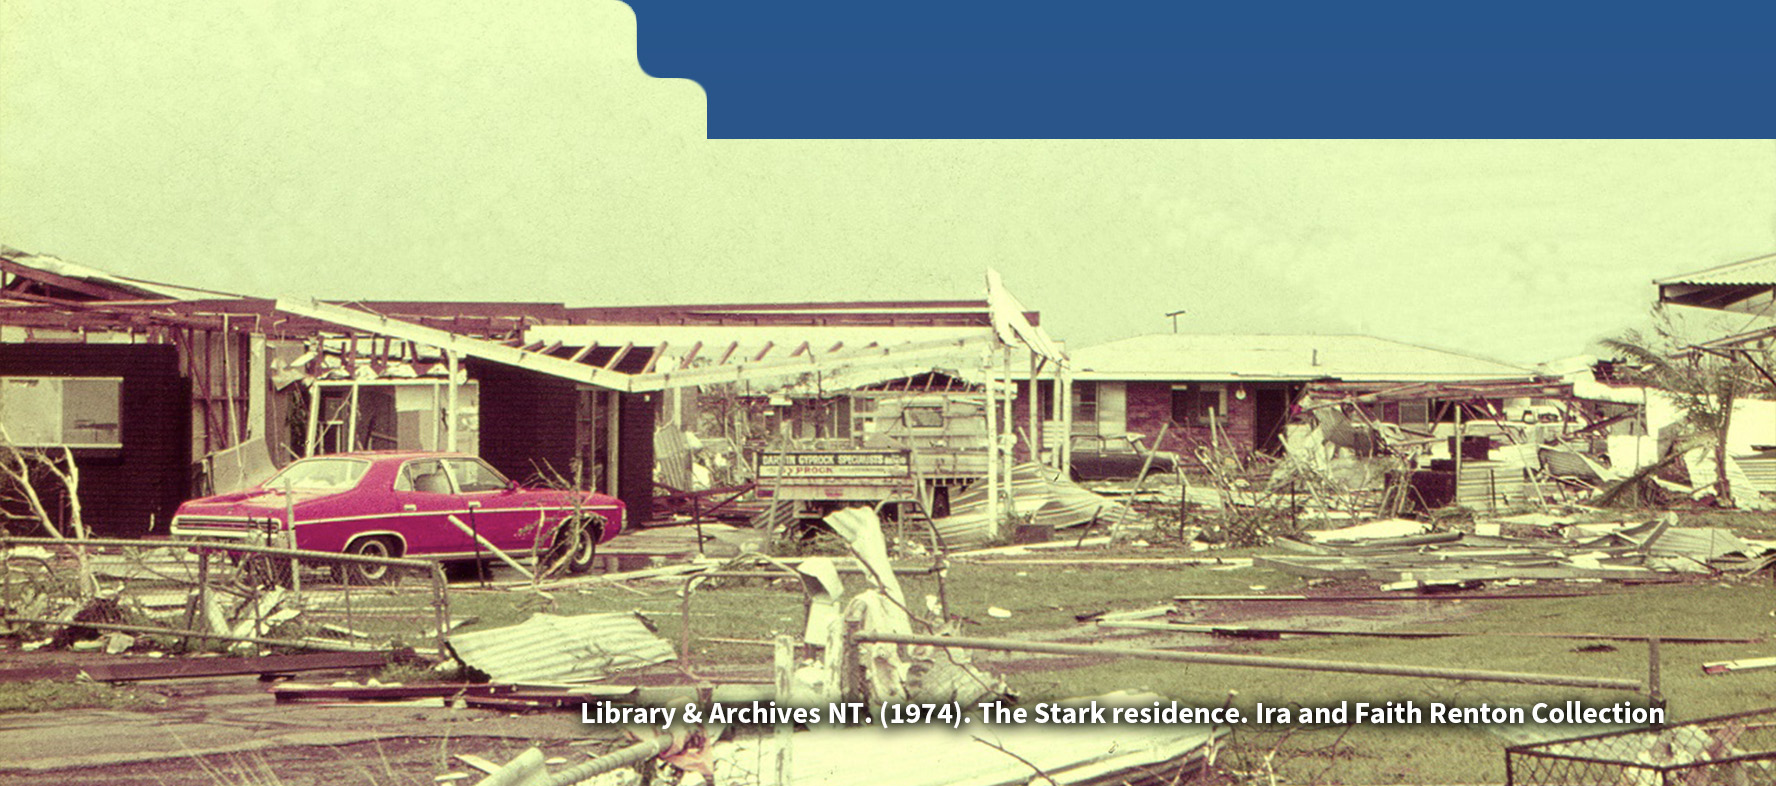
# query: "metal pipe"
[[1258, 661], [621, 757], [782, 571], [481, 542], [213, 545], [157, 630]]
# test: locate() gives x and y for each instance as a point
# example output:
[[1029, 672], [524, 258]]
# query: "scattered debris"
[[1651, 551], [999, 755], [1040, 495], [1746, 664]]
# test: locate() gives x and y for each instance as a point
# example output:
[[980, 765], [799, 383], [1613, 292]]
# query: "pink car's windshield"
[[334, 474]]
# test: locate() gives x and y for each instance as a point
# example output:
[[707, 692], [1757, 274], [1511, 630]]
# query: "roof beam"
[[445, 340], [872, 355], [63, 282], [620, 354]]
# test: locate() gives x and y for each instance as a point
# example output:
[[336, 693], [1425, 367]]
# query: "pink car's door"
[[425, 501], [505, 517]]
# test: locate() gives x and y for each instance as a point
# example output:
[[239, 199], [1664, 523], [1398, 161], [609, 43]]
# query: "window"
[[325, 474], [1415, 412], [1193, 405], [76, 412], [425, 475], [473, 475], [1085, 402]]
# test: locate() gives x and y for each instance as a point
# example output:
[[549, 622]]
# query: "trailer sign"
[[835, 474], [835, 465]]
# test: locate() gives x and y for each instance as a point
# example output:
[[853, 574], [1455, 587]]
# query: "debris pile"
[[1404, 554], [1041, 496]]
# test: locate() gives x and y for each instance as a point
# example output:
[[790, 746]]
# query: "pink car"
[[400, 504]]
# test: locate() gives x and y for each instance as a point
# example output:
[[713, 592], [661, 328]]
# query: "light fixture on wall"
[[1240, 392]]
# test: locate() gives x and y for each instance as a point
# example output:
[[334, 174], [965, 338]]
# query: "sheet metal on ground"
[[1650, 551], [925, 756], [553, 648], [1040, 492]]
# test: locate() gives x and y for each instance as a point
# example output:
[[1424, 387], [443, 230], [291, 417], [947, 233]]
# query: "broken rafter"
[[87, 288], [732, 346], [691, 356]]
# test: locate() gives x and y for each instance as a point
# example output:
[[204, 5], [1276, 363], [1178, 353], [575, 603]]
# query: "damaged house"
[[1238, 392], [828, 403], [1745, 287], [165, 392], [162, 392]]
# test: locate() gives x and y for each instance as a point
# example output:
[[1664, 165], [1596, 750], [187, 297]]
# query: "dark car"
[[400, 504], [1116, 457]]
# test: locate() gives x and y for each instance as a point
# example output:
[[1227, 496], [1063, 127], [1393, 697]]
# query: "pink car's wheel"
[[577, 542], [368, 573]]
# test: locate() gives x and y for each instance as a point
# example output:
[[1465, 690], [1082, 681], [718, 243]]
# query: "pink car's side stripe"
[[440, 512]]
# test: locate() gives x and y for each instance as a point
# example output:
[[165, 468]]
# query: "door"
[[495, 511], [425, 501], [1270, 412]]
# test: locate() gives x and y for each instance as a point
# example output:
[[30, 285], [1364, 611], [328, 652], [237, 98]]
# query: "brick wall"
[[528, 424], [1150, 408]]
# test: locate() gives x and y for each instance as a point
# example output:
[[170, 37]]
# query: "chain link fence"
[[1737, 750], [183, 596]]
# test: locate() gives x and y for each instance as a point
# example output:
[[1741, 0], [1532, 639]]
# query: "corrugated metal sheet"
[[1037, 491], [1761, 470], [1493, 486], [1757, 270], [553, 648]]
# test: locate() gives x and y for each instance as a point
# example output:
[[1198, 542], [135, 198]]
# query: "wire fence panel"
[[1731, 749], [187, 595]]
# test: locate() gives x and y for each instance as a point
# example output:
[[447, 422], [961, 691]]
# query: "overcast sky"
[[363, 150]]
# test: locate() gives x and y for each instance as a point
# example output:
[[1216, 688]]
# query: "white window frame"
[[59, 439]]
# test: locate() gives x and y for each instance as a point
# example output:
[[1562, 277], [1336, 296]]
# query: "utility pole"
[[1174, 316]]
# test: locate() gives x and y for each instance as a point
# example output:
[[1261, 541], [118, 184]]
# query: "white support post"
[[437, 428], [351, 427], [1064, 383], [992, 449], [1035, 406], [256, 386], [450, 402], [612, 441], [314, 418], [1009, 453]]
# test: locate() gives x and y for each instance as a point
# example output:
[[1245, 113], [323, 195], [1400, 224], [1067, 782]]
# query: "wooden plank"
[[478, 763], [182, 668]]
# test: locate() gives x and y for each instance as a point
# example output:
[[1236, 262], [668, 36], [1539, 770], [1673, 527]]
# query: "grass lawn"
[[1043, 600], [45, 695]]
